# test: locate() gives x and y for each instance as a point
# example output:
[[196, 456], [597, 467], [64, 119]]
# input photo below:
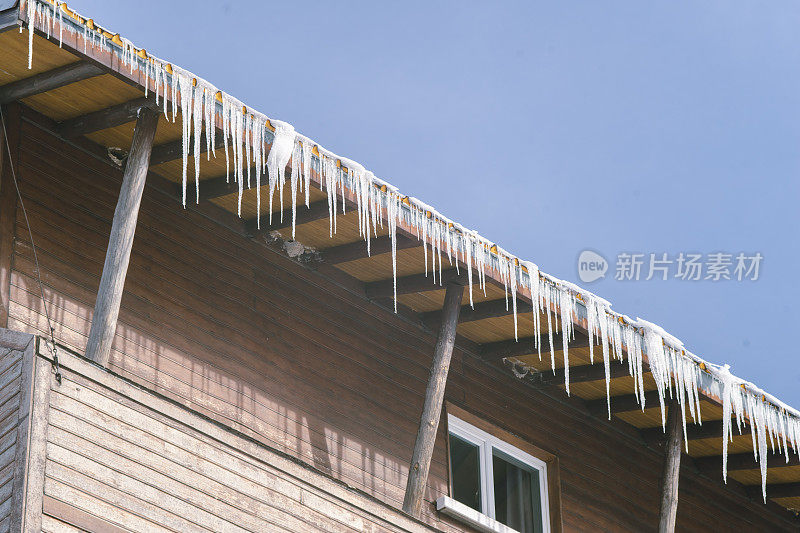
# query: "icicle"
[[297, 156], [184, 83], [279, 155], [258, 133], [308, 154], [226, 120], [60, 23], [197, 116], [392, 214], [31, 14], [567, 307], [548, 309], [727, 391], [597, 323], [654, 346]]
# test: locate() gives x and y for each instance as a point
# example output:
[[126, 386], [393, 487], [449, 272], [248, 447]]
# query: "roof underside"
[[88, 107]]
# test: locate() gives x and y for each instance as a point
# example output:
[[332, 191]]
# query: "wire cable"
[[52, 348]]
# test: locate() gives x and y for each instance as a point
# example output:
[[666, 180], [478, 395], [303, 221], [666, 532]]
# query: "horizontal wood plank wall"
[[120, 458], [266, 347]]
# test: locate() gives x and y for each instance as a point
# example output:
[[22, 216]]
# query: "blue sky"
[[549, 128]]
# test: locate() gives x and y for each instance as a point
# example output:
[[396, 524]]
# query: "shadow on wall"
[[246, 398]]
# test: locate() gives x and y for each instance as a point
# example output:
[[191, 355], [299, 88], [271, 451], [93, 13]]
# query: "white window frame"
[[487, 442]]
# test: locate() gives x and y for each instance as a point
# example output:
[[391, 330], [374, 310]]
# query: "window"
[[494, 485]]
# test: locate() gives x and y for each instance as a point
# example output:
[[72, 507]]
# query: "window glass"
[[517, 502], [465, 472]]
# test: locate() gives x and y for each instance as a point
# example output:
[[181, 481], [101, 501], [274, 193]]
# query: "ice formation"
[[258, 147]]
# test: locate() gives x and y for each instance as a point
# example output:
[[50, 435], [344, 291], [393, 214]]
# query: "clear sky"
[[549, 127]]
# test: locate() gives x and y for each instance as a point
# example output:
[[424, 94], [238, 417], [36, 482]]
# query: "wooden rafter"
[[581, 373], [744, 461], [494, 351], [413, 283], [358, 250], [47, 81], [709, 429], [623, 403], [173, 150], [215, 187], [776, 490], [481, 311], [315, 211], [105, 118], [9, 19]]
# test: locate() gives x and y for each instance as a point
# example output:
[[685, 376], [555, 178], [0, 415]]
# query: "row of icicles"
[[268, 146]]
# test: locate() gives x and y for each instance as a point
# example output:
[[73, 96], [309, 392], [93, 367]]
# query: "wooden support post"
[[434, 396], [672, 469], [109, 295]]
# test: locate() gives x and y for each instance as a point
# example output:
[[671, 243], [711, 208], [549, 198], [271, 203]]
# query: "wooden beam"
[[47, 81], [494, 351], [9, 19], [775, 490], [211, 188], [358, 250], [434, 397], [105, 118], [672, 470], [225, 184], [109, 295], [413, 283], [480, 311], [173, 150], [710, 429], [315, 211], [8, 202], [581, 373], [624, 403], [743, 461]]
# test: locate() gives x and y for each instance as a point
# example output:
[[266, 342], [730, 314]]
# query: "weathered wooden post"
[[109, 295], [672, 469], [434, 397]]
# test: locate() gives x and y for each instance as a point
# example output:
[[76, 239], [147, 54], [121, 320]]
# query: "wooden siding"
[[120, 458], [271, 349]]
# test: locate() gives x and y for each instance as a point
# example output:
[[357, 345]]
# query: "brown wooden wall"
[[254, 341]]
